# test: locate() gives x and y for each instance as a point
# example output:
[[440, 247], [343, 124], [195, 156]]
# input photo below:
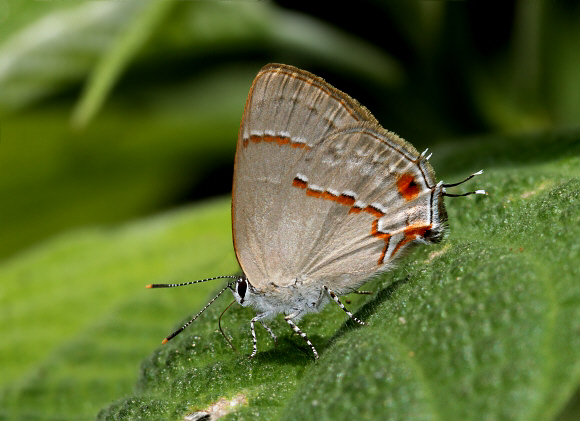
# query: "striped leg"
[[270, 332], [346, 300], [337, 301], [302, 334], [255, 341]]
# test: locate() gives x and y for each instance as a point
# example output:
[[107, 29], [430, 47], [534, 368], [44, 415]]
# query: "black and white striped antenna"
[[461, 182], [178, 331]]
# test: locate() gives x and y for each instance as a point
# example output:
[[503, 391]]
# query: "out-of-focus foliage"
[[114, 110], [173, 77], [141, 99], [481, 326]]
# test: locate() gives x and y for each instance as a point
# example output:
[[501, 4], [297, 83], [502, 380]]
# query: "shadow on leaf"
[[366, 310]]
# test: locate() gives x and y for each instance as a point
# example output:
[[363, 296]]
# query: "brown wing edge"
[[359, 112]]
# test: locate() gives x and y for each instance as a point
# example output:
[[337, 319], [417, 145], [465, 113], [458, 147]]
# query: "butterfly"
[[323, 199]]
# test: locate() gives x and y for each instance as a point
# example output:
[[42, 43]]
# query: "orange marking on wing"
[[412, 232], [313, 193], [280, 140], [299, 183], [374, 211], [329, 196], [407, 186], [255, 138], [346, 200], [382, 235], [342, 199], [375, 231]]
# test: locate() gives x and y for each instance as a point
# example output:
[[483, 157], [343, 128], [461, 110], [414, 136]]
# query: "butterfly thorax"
[[297, 299]]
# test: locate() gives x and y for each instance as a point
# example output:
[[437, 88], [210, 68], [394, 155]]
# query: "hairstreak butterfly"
[[323, 199]]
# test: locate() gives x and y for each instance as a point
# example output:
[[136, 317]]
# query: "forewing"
[[288, 112], [321, 192], [289, 105]]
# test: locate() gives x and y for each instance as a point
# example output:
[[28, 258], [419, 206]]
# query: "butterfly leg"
[[254, 339], [302, 334], [270, 332], [346, 300], [337, 301], [253, 329]]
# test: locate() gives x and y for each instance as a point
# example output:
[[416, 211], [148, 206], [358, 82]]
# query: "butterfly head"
[[243, 291]]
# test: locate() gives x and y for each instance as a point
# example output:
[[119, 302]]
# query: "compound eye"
[[242, 288]]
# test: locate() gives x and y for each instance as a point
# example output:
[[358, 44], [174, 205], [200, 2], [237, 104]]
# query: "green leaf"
[[114, 61], [57, 49], [320, 40], [484, 326], [120, 166], [76, 318], [49, 53]]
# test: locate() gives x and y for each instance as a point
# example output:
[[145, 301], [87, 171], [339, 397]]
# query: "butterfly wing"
[[291, 105], [371, 196], [288, 111], [308, 157]]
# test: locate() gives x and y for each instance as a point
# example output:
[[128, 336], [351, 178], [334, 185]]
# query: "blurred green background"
[[116, 111], [111, 110]]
